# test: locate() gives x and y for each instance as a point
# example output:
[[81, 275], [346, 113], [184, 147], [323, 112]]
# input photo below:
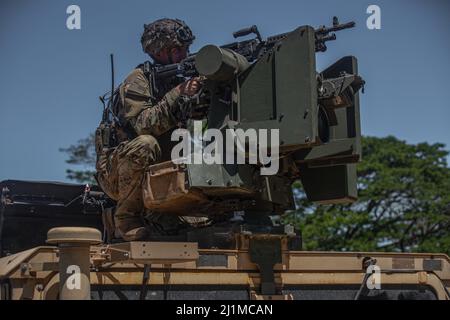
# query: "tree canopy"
[[82, 155], [403, 203]]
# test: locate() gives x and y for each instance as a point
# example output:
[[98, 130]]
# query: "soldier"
[[143, 118]]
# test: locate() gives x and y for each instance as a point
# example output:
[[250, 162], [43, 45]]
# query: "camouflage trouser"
[[121, 171]]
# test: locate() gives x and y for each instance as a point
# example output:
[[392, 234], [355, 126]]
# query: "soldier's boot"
[[127, 219], [131, 229]]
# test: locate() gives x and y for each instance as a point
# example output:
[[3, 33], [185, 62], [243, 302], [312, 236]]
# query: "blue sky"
[[51, 77]]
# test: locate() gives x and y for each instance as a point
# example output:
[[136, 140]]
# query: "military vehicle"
[[221, 238]]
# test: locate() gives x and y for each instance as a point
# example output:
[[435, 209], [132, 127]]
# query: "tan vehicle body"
[[35, 273]]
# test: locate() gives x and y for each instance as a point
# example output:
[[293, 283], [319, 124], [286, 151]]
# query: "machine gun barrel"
[[336, 27], [324, 34]]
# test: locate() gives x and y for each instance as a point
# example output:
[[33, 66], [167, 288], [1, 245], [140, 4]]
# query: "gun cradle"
[[318, 121], [196, 189]]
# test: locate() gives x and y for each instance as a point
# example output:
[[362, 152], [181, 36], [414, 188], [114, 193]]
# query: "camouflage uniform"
[[120, 170]]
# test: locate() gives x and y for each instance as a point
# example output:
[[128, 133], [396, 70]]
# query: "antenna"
[[112, 80]]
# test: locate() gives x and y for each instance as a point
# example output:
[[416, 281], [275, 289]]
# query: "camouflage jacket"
[[144, 117]]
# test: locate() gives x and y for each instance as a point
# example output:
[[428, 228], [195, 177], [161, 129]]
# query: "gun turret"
[[316, 113]]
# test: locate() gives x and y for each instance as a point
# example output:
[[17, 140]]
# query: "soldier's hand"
[[190, 87]]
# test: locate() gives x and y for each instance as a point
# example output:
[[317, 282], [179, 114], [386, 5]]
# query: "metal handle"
[[245, 31]]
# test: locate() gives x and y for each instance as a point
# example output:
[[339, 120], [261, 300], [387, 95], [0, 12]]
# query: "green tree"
[[403, 204], [82, 155]]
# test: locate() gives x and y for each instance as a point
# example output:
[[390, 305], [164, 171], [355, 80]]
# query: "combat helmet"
[[165, 33]]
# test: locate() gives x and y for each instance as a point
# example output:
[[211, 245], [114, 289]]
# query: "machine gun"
[[164, 77], [251, 49]]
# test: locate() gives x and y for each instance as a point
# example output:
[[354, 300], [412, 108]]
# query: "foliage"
[[403, 204], [81, 154]]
